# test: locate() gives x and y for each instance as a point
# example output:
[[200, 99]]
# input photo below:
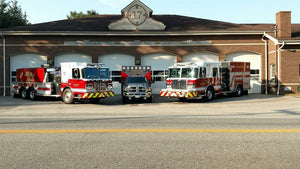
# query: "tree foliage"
[[74, 14], [11, 14]]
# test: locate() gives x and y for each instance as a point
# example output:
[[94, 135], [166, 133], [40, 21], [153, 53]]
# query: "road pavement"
[[254, 131]]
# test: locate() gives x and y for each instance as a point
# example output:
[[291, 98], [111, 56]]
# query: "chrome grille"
[[99, 86], [137, 89], [178, 84]]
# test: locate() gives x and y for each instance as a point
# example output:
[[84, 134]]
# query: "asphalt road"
[[254, 131]]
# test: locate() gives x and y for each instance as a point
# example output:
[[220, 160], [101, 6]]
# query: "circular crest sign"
[[137, 15]]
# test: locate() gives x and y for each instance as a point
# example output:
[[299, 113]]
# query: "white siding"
[[201, 57], [71, 57], [115, 63], [159, 63]]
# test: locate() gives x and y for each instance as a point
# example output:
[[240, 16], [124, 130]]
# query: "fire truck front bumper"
[[95, 95], [180, 93]]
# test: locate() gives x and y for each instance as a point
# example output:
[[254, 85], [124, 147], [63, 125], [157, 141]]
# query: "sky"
[[234, 11]]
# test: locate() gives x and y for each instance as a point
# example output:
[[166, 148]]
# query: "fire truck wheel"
[[239, 91], [149, 100], [24, 93], [124, 100], [16, 95], [210, 94], [68, 96], [32, 94]]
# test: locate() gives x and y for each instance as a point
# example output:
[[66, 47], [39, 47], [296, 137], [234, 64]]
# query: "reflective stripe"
[[96, 95]]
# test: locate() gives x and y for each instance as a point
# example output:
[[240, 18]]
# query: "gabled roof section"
[[174, 23], [136, 16], [134, 3]]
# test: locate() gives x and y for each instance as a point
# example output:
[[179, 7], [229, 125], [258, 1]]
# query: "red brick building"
[[137, 37]]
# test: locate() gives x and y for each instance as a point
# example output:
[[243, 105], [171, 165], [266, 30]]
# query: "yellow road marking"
[[156, 131]]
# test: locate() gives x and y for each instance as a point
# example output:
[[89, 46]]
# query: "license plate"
[[137, 97]]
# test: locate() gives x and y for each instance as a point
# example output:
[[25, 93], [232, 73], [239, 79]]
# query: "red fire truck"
[[72, 81], [207, 79]]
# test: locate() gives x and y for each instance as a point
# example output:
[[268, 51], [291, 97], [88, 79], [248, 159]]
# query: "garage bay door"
[[71, 57], [201, 57], [159, 63], [115, 63], [255, 66]]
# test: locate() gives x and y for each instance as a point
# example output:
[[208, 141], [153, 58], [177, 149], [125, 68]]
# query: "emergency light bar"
[[97, 65], [129, 68]]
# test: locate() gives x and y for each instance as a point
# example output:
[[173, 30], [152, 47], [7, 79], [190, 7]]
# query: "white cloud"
[[115, 3]]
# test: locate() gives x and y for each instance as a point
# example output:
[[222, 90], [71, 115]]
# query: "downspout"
[[4, 73], [266, 63], [279, 77]]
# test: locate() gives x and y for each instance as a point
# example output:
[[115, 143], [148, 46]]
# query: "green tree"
[[74, 14], [11, 14]]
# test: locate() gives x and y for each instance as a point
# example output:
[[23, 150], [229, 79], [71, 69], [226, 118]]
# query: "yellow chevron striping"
[[85, 95], [91, 95], [96, 95]]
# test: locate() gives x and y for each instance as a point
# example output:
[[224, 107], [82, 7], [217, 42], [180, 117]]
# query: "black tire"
[[16, 95], [124, 100], [239, 91], [182, 99], [32, 94], [210, 94], [24, 93], [68, 97], [95, 101], [149, 100]]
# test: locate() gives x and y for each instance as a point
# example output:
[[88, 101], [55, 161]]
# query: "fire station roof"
[[99, 23]]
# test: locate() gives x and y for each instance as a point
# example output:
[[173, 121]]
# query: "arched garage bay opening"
[[71, 57], [255, 66], [25, 60], [201, 57], [115, 63], [159, 63]]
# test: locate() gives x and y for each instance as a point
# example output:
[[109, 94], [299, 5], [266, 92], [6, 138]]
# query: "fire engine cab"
[[207, 79], [72, 81]]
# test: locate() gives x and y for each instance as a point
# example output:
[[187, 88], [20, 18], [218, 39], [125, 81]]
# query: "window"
[[75, 73], [174, 73], [299, 72], [215, 72], [116, 76], [202, 73], [254, 74], [272, 70], [160, 75]]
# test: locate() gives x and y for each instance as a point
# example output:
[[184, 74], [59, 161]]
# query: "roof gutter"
[[4, 73], [266, 63], [122, 33], [279, 76], [280, 42]]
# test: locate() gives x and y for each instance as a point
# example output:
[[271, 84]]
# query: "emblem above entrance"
[[137, 15]]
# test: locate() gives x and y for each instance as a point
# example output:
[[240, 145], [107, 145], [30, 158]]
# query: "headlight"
[[149, 90], [109, 88]]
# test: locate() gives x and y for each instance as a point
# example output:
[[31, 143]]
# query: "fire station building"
[[138, 37]]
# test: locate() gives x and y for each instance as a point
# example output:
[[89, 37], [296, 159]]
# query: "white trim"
[[165, 44], [120, 33], [4, 64]]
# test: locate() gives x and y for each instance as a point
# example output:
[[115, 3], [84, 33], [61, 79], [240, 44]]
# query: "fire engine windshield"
[[104, 73], [90, 73], [136, 80], [184, 72], [175, 73]]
